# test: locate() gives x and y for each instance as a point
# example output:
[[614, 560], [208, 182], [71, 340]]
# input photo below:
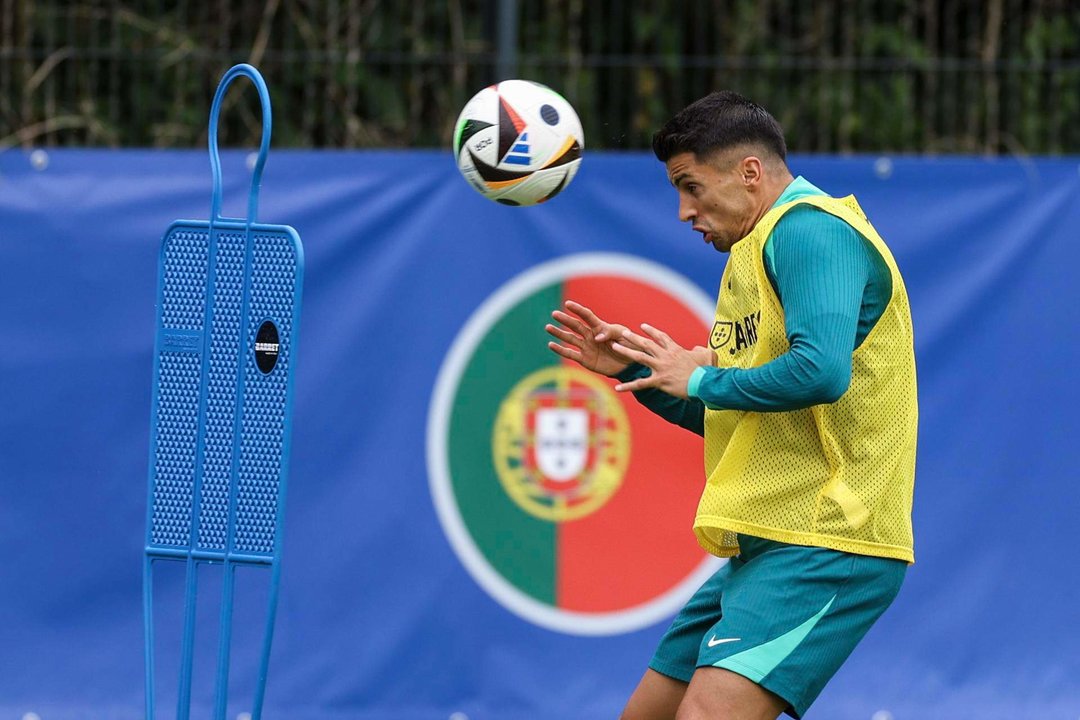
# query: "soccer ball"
[[518, 142]]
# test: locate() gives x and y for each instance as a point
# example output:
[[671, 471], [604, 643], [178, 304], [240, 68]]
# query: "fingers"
[[704, 356], [588, 325], [662, 338], [609, 332], [566, 352], [565, 335], [585, 313], [635, 385], [571, 322], [631, 354], [657, 341], [638, 342]]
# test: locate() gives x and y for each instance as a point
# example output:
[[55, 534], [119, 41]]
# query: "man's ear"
[[751, 170]]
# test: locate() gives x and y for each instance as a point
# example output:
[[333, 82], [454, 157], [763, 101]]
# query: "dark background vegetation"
[[920, 76]]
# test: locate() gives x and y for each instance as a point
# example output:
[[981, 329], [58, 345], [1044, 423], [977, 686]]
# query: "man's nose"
[[687, 211]]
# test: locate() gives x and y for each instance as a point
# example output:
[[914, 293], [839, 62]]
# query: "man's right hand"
[[587, 340]]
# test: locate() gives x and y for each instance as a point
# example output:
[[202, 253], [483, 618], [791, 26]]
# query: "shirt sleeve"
[[689, 413], [819, 268]]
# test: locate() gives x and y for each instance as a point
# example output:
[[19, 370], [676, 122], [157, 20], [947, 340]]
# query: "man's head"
[[727, 158]]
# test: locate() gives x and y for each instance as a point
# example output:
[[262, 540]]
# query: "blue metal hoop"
[[251, 73]]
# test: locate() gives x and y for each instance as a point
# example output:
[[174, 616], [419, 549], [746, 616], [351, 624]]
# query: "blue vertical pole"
[[507, 41], [148, 632], [221, 692], [187, 648], [268, 637]]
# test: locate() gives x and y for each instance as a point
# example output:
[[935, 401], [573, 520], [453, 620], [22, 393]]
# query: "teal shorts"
[[784, 616]]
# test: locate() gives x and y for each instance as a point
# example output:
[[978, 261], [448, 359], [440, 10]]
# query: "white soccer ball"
[[518, 142]]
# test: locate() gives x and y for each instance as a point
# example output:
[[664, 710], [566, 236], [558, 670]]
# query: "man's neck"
[[771, 192]]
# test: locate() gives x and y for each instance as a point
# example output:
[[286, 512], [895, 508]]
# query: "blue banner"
[[383, 613]]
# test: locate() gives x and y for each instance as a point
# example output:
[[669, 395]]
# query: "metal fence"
[[930, 76]]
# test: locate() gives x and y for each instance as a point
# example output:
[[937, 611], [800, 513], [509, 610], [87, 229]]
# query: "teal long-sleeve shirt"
[[833, 286]]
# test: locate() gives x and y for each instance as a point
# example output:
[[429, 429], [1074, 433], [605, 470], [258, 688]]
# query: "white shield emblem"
[[562, 442]]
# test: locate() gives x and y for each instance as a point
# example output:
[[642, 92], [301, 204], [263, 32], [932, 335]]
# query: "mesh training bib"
[[839, 475]]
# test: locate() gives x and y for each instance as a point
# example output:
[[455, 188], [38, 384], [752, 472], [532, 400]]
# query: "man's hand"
[[671, 364], [587, 340]]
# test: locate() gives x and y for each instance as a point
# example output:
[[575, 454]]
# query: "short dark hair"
[[719, 121]]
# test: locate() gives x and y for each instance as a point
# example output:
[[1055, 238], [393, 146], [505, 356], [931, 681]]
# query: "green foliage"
[[869, 76]]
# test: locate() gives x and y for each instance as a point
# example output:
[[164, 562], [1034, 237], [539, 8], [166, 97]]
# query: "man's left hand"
[[671, 364]]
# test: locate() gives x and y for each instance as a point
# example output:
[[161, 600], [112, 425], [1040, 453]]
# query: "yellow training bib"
[[839, 475]]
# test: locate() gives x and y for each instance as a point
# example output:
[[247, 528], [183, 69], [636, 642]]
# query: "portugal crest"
[[561, 443], [570, 504], [721, 334]]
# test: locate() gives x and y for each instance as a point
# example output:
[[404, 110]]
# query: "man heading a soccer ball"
[[806, 398]]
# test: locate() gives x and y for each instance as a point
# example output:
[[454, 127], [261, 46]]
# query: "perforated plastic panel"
[[264, 419], [221, 391], [182, 308], [220, 422]]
